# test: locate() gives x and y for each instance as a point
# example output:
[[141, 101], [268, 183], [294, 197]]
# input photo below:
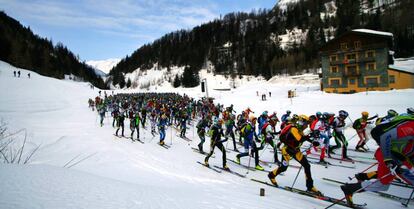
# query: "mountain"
[[21, 48], [103, 65], [283, 40]]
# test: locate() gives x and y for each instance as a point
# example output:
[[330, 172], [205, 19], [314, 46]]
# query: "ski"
[[216, 170], [250, 168], [118, 136], [241, 165], [278, 164], [330, 164], [230, 171], [134, 140], [164, 145], [386, 195], [185, 138], [339, 159], [203, 153], [309, 194]]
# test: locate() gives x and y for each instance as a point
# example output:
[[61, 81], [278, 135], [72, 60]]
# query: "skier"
[[28, 75], [321, 127], [248, 132], [262, 120], [230, 124], [292, 137], [217, 132], [284, 119], [162, 123], [338, 126], [18, 74], [14, 72], [120, 122], [359, 125], [101, 109], [153, 121], [134, 124], [395, 156], [143, 116], [114, 113], [201, 132], [268, 133]]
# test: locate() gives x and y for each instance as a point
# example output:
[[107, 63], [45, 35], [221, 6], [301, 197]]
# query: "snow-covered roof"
[[376, 32], [404, 64]]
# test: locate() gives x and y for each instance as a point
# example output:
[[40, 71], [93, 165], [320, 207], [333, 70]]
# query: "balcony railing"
[[352, 61], [350, 73]]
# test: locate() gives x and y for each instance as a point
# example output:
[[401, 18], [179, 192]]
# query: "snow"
[[296, 36], [121, 174], [103, 65], [283, 4], [369, 31], [404, 64]]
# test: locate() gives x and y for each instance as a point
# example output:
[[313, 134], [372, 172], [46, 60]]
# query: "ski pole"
[[294, 181], [361, 189], [350, 178], [409, 199], [248, 165]]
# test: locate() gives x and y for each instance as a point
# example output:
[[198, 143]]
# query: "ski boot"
[[258, 167], [323, 162], [225, 167], [162, 143], [206, 163], [349, 190], [315, 191], [272, 178], [200, 148], [238, 160]]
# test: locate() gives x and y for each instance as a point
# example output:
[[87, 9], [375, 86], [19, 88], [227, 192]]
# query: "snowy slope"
[[121, 174], [103, 65]]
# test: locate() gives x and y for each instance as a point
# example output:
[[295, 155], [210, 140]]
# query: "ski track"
[[122, 174]]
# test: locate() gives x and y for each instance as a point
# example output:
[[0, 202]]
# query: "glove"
[[315, 143]]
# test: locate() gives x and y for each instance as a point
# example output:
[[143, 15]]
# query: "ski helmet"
[[391, 113], [318, 114], [264, 113], [410, 111], [252, 118], [343, 114], [288, 112], [302, 121], [365, 114]]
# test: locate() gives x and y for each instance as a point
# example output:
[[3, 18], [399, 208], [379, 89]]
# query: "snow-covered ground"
[[117, 173]]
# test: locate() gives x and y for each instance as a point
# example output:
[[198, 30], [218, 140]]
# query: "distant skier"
[[163, 122], [201, 132], [134, 123], [28, 75], [14, 72], [18, 74], [120, 122]]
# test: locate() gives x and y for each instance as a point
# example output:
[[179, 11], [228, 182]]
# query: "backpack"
[[263, 130], [357, 124], [283, 134]]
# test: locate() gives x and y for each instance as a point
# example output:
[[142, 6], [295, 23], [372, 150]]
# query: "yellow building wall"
[[402, 80]]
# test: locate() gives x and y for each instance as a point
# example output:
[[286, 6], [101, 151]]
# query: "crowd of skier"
[[394, 134]]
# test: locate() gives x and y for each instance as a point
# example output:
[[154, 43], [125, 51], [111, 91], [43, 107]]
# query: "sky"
[[103, 29]]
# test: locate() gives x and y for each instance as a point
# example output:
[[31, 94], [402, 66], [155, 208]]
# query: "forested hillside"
[[269, 42], [21, 48]]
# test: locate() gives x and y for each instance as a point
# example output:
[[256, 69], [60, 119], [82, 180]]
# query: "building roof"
[[366, 32], [373, 32], [404, 65]]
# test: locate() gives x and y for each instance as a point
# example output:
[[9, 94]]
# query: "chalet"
[[360, 60]]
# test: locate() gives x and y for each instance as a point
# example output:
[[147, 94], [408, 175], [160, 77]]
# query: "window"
[[357, 44], [371, 82], [370, 54], [352, 81], [344, 46], [351, 70], [351, 56], [371, 66], [392, 78], [335, 82], [334, 69], [334, 58]]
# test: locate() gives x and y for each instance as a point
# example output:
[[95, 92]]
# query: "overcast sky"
[[102, 29]]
